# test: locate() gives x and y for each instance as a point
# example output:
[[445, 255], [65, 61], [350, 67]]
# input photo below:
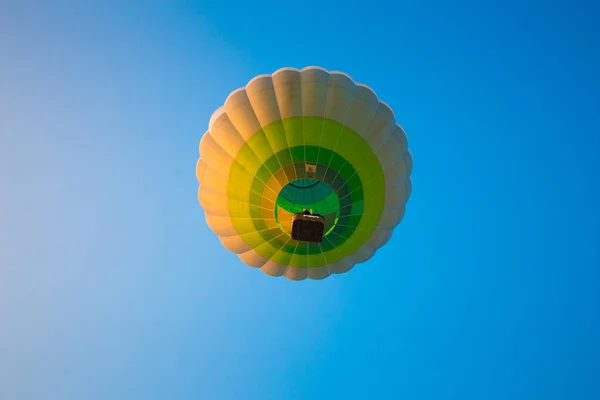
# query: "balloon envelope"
[[303, 139]]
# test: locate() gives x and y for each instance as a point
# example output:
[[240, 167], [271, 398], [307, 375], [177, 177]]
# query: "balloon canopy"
[[303, 140]]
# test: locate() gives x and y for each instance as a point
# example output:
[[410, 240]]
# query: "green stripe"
[[344, 161]]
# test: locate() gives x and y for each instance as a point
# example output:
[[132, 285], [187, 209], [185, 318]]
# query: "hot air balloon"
[[303, 173]]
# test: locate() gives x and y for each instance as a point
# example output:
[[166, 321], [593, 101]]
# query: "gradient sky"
[[113, 287]]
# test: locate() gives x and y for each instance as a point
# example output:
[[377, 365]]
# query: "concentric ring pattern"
[[298, 130]]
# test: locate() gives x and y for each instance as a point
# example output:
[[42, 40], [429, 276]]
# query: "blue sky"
[[113, 287]]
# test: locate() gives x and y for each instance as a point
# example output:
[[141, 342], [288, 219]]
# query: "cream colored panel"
[[401, 136], [381, 127], [200, 169], [222, 226], [361, 255], [235, 244], [340, 267], [296, 274], [379, 238], [240, 112], [288, 90], [261, 94], [363, 109], [391, 217], [225, 134], [317, 272], [314, 91], [212, 203], [215, 116], [274, 269], [339, 97], [408, 161], [215, 181], [397, 172], [213, 154], [390, 152], [253, 259], [396, 196]]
